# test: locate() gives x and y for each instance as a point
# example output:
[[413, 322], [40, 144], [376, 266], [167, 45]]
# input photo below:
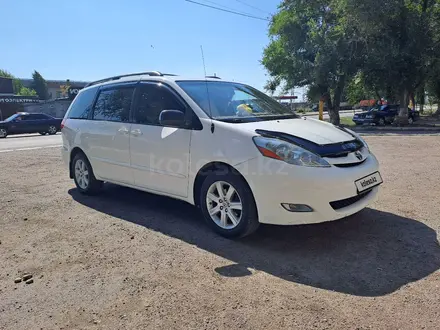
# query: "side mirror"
[[174, 118]]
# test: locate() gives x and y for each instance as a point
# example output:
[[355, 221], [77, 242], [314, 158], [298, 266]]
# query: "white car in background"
[[236, 153]]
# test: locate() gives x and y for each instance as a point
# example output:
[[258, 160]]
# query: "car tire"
[[83, 176], [52, 130], [3, 133], [43, 133], [235, 215], [381, 122], [410, 120]]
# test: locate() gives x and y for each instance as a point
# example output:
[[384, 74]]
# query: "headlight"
[[288, 152], [357, 136]]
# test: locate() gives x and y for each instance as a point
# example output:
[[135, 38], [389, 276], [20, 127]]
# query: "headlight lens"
[[288, 152], [358, 137]]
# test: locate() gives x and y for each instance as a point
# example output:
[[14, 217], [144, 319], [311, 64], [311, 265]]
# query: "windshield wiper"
[[255, 118], [235, 119]]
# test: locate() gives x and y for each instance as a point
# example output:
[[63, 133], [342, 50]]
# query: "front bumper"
[[274, 182], [360, 121]]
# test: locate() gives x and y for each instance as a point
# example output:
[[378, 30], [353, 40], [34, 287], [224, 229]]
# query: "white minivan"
[[229, 149]]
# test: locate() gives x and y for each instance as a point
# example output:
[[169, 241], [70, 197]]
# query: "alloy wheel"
[[3, 132], [81, 174], [52, 129], [224, 205]]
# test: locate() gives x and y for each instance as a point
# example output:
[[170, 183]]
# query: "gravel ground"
[[131, 260]]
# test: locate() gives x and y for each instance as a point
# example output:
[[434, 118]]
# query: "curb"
[[394, 129], [316, 113]]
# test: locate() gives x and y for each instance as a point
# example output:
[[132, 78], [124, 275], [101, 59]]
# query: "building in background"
[[59, 98], [54, 87]]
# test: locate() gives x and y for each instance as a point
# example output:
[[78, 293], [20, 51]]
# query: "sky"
[[93, 39]]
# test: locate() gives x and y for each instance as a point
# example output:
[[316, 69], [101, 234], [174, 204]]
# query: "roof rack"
[[148, 73], [213, 77]]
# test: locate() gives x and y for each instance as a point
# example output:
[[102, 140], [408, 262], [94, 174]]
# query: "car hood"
[[309, 129], [363, 113]]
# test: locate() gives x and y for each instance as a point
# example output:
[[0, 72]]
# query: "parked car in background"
[[345, 106], [383, 115], [368, 104], [231, 150], [24, 122], [316, 107]]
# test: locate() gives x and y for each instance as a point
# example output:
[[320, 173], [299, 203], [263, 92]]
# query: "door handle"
[[136, 132], [123, 130]]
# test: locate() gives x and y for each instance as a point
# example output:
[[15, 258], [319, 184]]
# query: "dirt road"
[[131, 260]]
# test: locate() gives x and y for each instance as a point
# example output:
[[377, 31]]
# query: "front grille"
[[336, 205], [350, 164]]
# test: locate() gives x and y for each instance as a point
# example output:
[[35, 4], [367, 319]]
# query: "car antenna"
[[207, 90]]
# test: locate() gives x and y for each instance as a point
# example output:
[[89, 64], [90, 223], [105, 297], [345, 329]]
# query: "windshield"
[[12, 117], [234, 102]]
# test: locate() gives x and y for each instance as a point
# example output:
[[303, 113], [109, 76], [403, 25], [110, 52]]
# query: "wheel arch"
[[75, 151], [210, 168]]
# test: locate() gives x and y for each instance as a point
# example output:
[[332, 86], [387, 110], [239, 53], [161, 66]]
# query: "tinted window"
[[82, 104], [153, 99], [23, 117], [37, 117], [113, 104]]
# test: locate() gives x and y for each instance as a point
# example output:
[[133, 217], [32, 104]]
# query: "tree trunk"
[[421, 97], [334, 111], [413, 101], [402, 118], [437, 113], [378, 96]]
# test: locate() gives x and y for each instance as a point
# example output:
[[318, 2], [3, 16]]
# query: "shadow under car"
[[372, 253]]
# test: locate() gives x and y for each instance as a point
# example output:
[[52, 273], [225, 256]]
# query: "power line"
[[251, 6], [228, 11], [219, 5]]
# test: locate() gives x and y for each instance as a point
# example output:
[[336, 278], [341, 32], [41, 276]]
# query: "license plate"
[[368, 182]]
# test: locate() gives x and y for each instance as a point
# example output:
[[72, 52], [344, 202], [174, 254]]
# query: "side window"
[[82, 104], [37, 117], [24, 117], [152, 100], [113, 104]]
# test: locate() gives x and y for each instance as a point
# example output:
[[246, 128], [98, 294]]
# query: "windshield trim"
[[239, 120], [270, 102]]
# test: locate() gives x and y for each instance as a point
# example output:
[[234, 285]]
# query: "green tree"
[[313, 43], [24, 91], [400, 48], [357, 90], [40, 86]]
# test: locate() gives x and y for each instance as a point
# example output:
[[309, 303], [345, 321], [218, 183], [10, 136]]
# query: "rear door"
[[159, 155], [108, 133], [393, 111], [37, 123]]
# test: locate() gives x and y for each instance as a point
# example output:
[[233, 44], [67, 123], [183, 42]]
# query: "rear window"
[[82, 104]]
